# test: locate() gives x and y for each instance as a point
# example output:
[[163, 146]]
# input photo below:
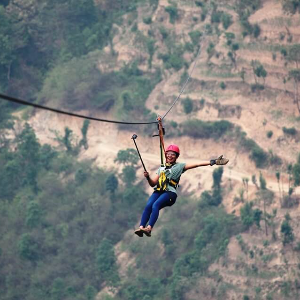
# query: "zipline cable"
[[184, 86], [20, 101]]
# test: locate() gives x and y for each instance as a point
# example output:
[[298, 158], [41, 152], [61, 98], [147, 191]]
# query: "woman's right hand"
[[146, 174]]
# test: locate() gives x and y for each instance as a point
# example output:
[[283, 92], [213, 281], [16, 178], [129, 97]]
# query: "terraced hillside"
[[242, 101]]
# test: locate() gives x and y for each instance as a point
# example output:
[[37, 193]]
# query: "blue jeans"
[[157, 201]]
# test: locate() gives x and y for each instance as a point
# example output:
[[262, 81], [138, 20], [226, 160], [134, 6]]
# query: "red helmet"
[[173, 148]]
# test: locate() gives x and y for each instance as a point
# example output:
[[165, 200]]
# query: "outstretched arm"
[[193, 166], [219, 161], [152, 181]]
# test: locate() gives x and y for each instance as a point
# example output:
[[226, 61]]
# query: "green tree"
[[226, 20], [129, 175], [67, 139], [258, 71], [107, 262], [7, 43], [294, 54], [291, 6], [217, 198], [295, 75], [28, 248], [296, 172], [47, 154], [257, 216], [33, 214], [263, 186], [91, 292], [247, 214], [173, 13], [187, 104], [278, 182], [217, 178], [262, 182], [195, 37], [81, 175], [287, 230], [58, 289], [128, 101], [28, 156], [83, 142], [151, 50], [111, 183], [127, 157]]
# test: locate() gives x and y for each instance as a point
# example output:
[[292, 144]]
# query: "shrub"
[[269, 134], [127, 157], [129, 175], [216, 16], [164, 32], [229, 35], [174, 124], [189, 47], [195, 36], [283, 52], [248, 29], [250, 216], [226, 20], [206, 130], [289, 131], [187, 105], [259, 156], [142, 288], [223, 85], [256, 30], [208, 29], [291, 6], [28, 248], [210, 50], [296, 172], [173, 59], [107, 262], [274, 159], [134, 27], [111, 183], [235, 47], [203, 14], [150, 44], [257, 87], [147, 20], [287, 231], [173, 13]]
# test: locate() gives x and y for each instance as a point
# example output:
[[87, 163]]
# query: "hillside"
[[247, 74]]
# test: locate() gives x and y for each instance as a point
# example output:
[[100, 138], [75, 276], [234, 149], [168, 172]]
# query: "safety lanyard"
[[161, 140]]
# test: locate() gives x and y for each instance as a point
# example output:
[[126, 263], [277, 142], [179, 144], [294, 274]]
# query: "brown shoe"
[[146, 231], [139, 232]]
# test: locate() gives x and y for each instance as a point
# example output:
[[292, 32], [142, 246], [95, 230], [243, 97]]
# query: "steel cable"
[[20, 101], [184, 86]]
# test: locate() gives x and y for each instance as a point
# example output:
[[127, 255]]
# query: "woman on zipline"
[[165, 183]]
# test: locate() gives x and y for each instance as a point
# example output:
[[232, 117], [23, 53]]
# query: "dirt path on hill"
[[105, 140]]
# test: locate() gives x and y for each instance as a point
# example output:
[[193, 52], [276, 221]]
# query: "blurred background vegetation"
[[62, 218]]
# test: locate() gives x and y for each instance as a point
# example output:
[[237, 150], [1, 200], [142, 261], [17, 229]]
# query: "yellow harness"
[[163, 181]]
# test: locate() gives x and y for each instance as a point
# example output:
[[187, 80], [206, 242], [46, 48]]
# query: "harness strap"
[[164, 182], [161, 140]]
